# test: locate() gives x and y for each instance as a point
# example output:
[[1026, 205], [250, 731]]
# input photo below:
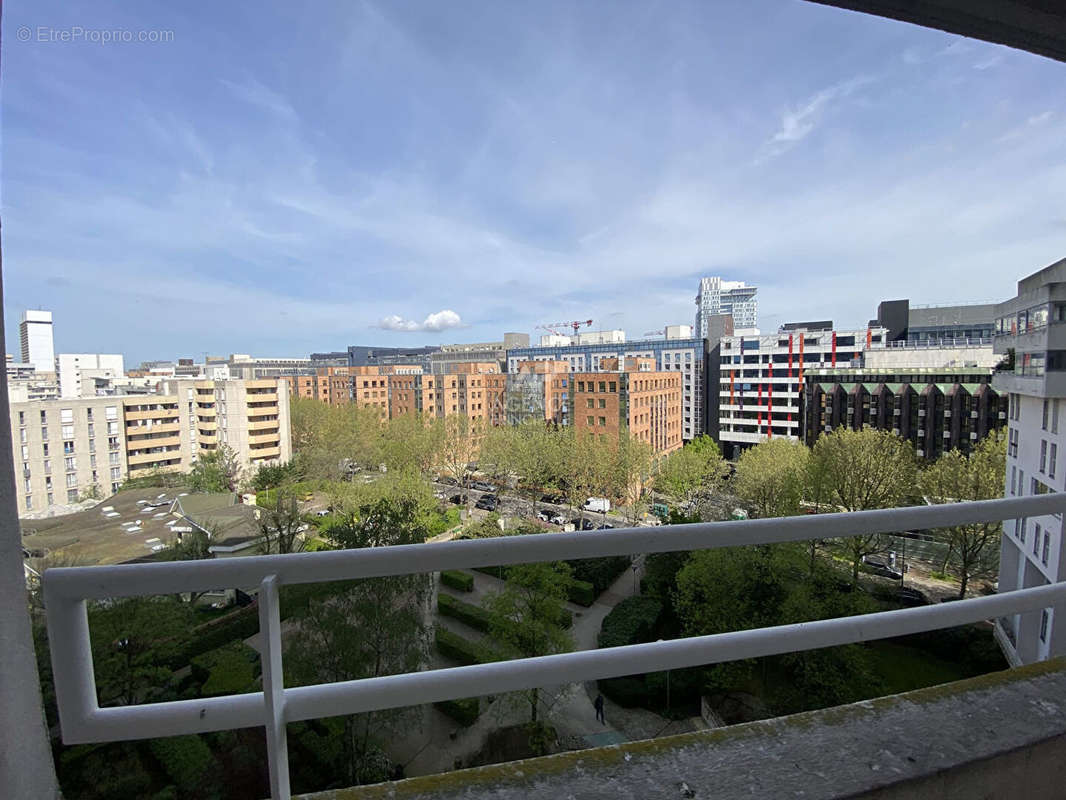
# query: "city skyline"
[[417, 178]]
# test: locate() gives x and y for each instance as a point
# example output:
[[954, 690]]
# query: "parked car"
[[544, 516], [587, 525], [447, 480], [483, 486], [458, 498], [440, 494], [487, 502], [600, 505], [322, 513], [554, 499], [558, 519], [605, 527]]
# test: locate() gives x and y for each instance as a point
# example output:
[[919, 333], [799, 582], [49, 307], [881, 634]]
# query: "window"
[[72, 480], [590, 420], [111, 412], [29, 488], [72, 495], [1047, 548], [89, 414], [68, 447], [29, 501], [48, 483], [1023, 523], [603, 403], [51, 499], [47, 466], [590, 403], [22, 418], [116, 473], [44, 434], [115, 487], [92, 432], [44, 419], [1044, 419], [614, 386], [66, 415], [1055, 416], [603, 386], [1043, 624], [1043, 455], [603, 421], [1021, 482], [1013, 479], [70, 463], [25, 452], [68, 431], [22, 435], [112, 442]]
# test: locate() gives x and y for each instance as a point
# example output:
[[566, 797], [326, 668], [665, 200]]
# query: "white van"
[[600, 505]]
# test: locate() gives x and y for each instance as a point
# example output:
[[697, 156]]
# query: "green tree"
[[371, 628], [694, 471], [133, 640], [215, 471], [459, 444], [526, 615], [955, 478], [192, 545], [860, 470], [771, 477], [281, 528], [412, 442], [630, 464]]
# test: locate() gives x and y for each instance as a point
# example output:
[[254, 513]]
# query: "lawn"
[[902, 668]]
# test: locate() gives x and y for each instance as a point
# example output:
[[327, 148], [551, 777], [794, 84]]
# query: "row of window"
[[1030, 319]]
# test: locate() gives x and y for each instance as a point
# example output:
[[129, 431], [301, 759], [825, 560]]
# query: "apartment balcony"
[[260, 438], [137, 459], [264, 452], [256, 424], [207, 424], [996, 735], [151, 414], [136, 470], [170, 426]]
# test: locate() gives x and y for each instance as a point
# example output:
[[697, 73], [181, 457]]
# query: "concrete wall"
[[930, 357]]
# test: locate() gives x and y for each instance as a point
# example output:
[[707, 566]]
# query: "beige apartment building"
[[67, 450], [71, 449]]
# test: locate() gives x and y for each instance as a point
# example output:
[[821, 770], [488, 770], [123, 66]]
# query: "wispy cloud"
[[255, 93], [440, 321], [797, 123]]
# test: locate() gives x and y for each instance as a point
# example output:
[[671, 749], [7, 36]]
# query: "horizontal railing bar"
[[174, 718], [131, 580], [416, 688]]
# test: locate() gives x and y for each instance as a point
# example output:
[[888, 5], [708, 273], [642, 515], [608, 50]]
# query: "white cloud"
[[439, 321], [796, 124], [256, 94]]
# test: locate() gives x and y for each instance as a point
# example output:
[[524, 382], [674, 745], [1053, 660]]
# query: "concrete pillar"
[[26, 769]]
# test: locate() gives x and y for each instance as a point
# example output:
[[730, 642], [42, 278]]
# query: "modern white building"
[[1033, 325], [77, 371], [726, 297], [35, 337], [761, 379]]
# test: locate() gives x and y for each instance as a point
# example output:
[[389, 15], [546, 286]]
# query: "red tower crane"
[[575, 324]]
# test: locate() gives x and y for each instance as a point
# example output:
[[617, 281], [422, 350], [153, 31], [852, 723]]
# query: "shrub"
[[464, 711], [600, 572], [234, 626], [582, 593], [228, 670], [186, 759], [462, 581], [457, 648], [467, 613], [630, 622]]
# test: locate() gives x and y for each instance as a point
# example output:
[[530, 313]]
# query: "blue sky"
[[280, 178]]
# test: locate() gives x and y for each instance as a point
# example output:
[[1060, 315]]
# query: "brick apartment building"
[[629, 393]]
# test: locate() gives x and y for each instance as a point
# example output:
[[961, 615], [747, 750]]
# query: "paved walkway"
[[441, 743]]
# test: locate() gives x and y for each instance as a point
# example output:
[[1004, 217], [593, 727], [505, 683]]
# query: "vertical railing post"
[[273, 688]]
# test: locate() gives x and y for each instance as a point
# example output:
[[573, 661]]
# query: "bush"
[[453, 646], [600, 572], [462, 581], [234, 626], [582, 593], [228, 670], [467, 613], [186, 759], [630, 622], [465, 711]]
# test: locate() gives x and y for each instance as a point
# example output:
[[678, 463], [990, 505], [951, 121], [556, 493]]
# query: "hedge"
[[468, 613], [465, 711], [453, 646], [234, 626], [600, 572], [583, 593], [231, 669], [462, 581], [632, 621], [187, 760]]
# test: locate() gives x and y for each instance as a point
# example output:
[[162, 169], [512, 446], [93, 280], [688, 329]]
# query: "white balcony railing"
[[82, 720]]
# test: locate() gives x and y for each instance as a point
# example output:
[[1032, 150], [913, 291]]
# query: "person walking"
[[599, 709]]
